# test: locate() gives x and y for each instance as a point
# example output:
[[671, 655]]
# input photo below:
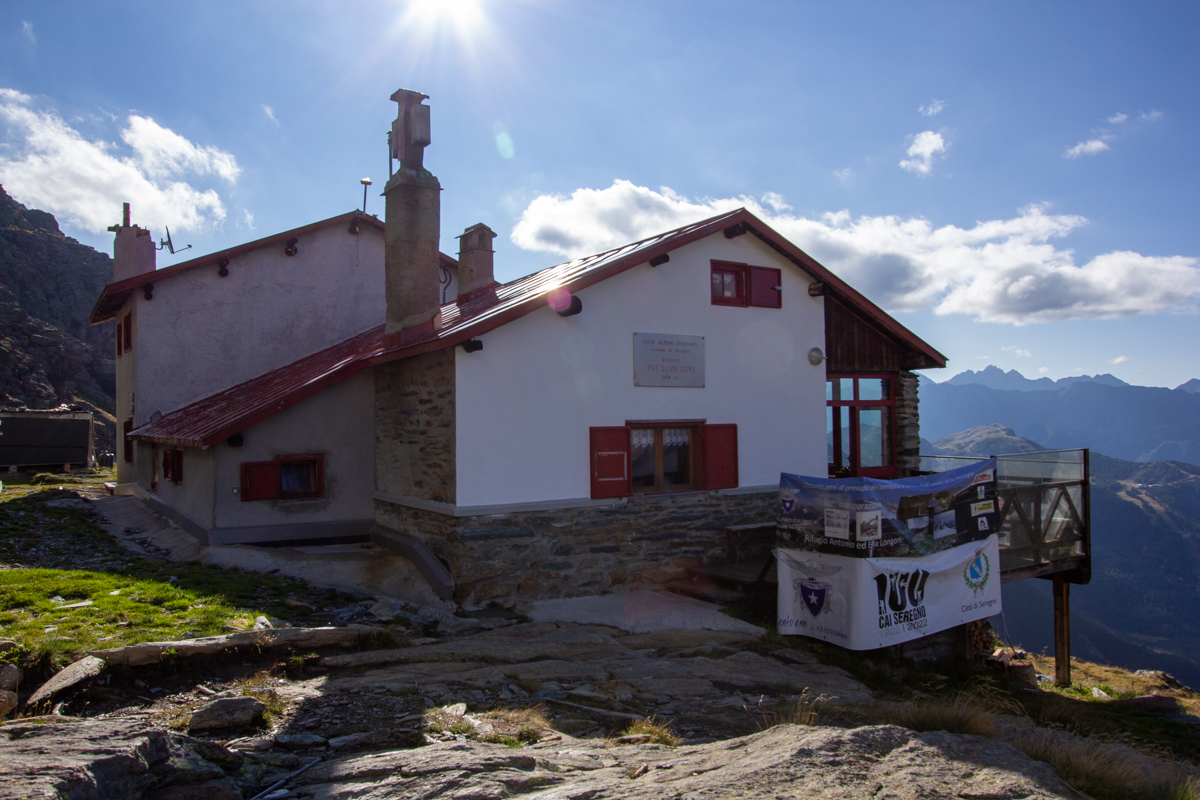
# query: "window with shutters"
[[127, 329], [173, 466], [744, 285], [668, 456], [290, 477]]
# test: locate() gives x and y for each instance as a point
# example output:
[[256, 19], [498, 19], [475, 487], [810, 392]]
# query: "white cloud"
[[270, 112], [1043, 370], [933, 109], [47, 164], [1017, 351], [844, 175], [1151, 116], [1118, 118], [27, 32], [923, 147], [1003, 270], [247, 219], [1119, 360], [1088, 148], [776, 202]]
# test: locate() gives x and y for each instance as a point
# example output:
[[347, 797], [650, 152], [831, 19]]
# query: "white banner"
[[866, 603]]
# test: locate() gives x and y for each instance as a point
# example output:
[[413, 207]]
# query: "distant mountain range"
[[1135, 613], [995, 378], [1135, 423]]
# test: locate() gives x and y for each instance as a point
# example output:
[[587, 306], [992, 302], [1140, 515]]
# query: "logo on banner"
[[813, 593], [902, 600], [978, 571]]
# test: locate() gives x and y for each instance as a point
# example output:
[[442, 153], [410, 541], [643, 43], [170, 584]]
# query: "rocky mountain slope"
[[49, 355], [1145, 559], [995, 378]]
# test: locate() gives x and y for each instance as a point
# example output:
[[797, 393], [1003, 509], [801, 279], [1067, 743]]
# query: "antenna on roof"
[[169, 245], [365, 183]]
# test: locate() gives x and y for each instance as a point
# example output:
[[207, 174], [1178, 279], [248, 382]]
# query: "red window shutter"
[[721, 456], [177, 465], [127, 427], [610, 463], [169, 465], [765, 287], [127, 324], [260, 480]]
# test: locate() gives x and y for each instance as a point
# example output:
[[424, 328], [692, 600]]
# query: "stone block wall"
[[908, 425], [640, 542], [414, 427]]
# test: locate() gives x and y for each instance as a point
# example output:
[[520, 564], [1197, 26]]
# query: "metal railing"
[[1044, 512]]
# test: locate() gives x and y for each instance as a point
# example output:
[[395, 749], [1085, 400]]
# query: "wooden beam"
[[1062, 632]]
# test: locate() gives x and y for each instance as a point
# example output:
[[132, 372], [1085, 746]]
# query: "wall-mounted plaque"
[[668, 359]]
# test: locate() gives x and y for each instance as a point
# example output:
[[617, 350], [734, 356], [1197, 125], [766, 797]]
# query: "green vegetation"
[[52, 558]]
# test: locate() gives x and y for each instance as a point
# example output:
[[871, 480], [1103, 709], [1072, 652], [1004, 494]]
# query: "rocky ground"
[[387, 702]]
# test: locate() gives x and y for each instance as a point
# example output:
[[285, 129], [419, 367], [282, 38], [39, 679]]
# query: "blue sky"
[[1017, 182]]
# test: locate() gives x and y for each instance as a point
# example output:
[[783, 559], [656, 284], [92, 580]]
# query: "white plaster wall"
[[526, 401], [202, 333], [194, 497], [338, 422]]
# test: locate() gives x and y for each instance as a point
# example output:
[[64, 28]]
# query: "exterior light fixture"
[[815, 356], [223, 267], [472, 345], [291, 249], [657, 260], [563, 302]]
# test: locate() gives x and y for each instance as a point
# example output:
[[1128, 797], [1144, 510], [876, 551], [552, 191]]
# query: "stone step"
[[705, 590], [734, 576]]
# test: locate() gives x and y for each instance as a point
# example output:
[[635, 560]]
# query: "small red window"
[[127, 325], [728, 283], [173, 465], [287, 477], [126, 427]]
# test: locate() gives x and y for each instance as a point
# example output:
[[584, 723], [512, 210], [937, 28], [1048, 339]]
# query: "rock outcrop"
[[49, 355]]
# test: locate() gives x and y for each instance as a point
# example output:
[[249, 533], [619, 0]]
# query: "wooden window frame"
[[695, 427], [853, 405], [319, 462], [127, 328], [742, 300], [173, 466]]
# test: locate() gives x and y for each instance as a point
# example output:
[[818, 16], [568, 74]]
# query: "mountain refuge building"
[[598, 424]]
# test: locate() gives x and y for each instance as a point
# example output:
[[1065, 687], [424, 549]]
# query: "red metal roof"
[[214, 418], [208, 421]]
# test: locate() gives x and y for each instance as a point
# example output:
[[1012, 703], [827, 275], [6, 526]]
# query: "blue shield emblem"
[[976, 569], [788, 504], [814, 595]]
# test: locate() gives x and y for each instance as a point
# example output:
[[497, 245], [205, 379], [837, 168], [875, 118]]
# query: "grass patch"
[[659, 732], [53, 557], [1106, 772], [261, 686], [803, 712], [515, 726]]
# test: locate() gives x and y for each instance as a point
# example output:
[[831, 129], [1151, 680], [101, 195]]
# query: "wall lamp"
[[291, 249], [223, 267], [659, 260], [472, 345], [564, 303], [148, 291]]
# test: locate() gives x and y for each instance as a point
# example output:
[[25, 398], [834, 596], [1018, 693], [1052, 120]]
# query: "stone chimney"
[[413, 225], [133, 249], [475, 262]]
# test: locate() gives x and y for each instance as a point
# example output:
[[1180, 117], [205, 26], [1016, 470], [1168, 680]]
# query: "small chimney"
[[475, 262], [133, 249], [413, 221]]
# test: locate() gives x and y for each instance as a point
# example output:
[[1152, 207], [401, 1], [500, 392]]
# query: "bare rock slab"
[[82, 760], [137, 655], [226, 712], [84, 669], [786, 761]]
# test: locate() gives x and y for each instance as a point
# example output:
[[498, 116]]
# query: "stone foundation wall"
[[414, 427], [640, 542], [908, 425]]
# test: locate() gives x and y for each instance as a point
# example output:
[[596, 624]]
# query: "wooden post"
[[1062, 632]]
